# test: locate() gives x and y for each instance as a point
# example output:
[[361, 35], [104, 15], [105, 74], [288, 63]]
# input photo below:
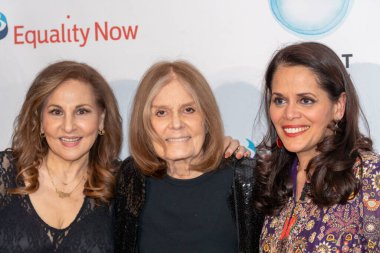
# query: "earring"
[[101, 132], [336, 126], [279, 143], [42, 135]]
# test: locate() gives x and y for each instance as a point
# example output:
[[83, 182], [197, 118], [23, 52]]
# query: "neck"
[[66, 170], [304, 159], [181, 170], [303, 162]]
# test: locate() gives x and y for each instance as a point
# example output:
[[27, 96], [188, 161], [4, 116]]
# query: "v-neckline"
[[51, 227]]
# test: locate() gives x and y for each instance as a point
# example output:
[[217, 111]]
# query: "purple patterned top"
[[353, 227]]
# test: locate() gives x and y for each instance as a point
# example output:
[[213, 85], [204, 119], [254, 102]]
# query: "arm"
[[129, 199], [248, 221], [370, 184], [7, 176]]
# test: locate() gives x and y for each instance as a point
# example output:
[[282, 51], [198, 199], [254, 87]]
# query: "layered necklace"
[[63, 194]]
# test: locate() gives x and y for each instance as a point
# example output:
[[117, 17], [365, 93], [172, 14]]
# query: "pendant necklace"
[[60, 193]]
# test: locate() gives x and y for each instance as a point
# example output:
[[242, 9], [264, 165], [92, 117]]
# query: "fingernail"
[[227, 154]]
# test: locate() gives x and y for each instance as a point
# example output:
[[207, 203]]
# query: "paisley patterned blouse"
[[302, 226]]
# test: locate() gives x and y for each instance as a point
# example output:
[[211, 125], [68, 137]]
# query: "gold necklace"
[[60, 193]]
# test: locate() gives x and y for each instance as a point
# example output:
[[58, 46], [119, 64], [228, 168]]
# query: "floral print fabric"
[[353, 227]]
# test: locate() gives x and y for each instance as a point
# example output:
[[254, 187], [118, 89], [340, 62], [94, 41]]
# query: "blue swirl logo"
[[310, 17], [3, 26]]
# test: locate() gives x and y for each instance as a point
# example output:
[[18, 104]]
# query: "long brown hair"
[[141, 132], [29, 148], [332, 180]]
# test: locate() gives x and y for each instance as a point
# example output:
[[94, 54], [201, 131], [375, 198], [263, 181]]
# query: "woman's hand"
[[232, 146]]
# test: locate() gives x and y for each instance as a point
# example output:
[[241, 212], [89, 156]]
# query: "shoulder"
[[244, 163], [129, 177], [128, 169], [7, 160], [130, 191], [244, 169], [367, 169], [367, 164], [7, 170], [370, 157]]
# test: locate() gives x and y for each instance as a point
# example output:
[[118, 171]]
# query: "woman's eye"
[[56, 112], [82, 111], [160, 113], [307, 101], [189, 109], [278, 100]]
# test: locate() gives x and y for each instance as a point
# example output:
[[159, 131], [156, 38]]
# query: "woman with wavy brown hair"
[[57, 180], [318, 177]]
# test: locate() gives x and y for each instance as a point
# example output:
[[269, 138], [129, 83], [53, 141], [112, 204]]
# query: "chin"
[[293, 149]]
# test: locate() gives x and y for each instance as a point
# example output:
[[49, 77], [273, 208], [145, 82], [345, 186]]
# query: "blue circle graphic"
[[3, 26], [310, 17]]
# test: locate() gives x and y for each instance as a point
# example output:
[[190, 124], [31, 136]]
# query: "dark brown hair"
[[29, 148], [141, 132], [332, 180]]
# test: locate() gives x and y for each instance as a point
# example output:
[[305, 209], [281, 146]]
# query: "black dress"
[[22, 230]]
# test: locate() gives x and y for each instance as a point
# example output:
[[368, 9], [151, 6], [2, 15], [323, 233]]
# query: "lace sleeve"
[[7, 176], [371, 201], [129, 199]]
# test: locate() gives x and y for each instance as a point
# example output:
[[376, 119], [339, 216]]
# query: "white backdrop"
[[231, 43]]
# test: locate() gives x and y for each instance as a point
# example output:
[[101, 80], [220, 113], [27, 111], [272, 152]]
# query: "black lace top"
[[22, 230]]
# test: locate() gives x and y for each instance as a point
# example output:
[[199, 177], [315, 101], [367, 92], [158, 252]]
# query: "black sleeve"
[[249, 221], [129, 198], [7, 176]]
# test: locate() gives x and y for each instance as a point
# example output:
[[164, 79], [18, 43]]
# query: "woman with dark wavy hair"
[[57, 180], [318, 176]]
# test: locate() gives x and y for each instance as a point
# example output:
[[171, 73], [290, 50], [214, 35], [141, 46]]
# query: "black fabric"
[[22, 230], [248, 221], [188, 215], [130, 200]]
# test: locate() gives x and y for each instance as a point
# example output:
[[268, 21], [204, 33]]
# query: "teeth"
[[70, 139], [178, 139], [295, 130]]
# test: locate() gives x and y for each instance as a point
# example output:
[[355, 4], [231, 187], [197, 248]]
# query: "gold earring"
[[42, 135], [101, 132]]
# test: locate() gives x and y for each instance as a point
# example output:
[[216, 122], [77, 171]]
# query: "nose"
[[292, 111], [69, 123], [176, 121]]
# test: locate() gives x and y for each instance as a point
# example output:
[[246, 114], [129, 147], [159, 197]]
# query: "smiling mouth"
[[70, 140], [178, 139], [295, 130]]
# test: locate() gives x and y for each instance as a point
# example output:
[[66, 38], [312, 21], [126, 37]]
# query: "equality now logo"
[[3, 26], [70, 32]]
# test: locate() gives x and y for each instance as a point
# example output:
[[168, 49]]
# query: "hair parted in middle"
[[333, 180], [30, 149], [141, 133]]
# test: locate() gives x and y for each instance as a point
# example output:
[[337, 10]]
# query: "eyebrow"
[[298, 94], [166, 106], [78, 106]]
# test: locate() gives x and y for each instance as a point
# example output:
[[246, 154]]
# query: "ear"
[[340, 106], [101, 121]]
